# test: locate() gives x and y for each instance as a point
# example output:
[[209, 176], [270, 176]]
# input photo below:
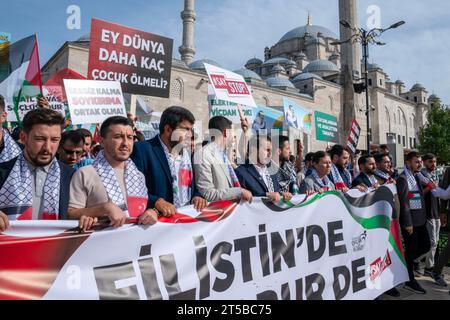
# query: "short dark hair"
[[15, 134], [42, 116], [412, 155], [363, 160], [74, 136], [428, 156], [2, 103], [85, 132], [309, 156], [112, 121], [318, 155], [281, 140], [173, 116], [383, 146], [337, 150], [219, 123], [379, 157]]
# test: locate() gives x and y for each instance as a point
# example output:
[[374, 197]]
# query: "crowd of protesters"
[[47, 172]]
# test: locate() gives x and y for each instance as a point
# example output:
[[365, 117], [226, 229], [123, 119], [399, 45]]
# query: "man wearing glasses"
[[71, 148]]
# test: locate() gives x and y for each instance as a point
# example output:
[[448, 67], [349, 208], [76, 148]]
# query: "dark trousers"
[[416, 244], [443, 258]]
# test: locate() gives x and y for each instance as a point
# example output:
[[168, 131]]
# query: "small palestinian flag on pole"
[[20, 76], [353, 138]]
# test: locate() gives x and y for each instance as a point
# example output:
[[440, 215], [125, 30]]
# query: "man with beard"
[[384, 169], [9, 149], [339, 174], [286, 176], [367, 175], [429, 180], [258, 175], [112, 185], [413, 217], [166, 163], [35, 185], [214, 175]]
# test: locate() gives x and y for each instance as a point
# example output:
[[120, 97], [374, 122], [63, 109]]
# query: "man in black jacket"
[[413, 216], [366, 177], [34, 185]]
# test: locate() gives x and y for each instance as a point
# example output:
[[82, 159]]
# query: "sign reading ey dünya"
[[93, 101], [326, 127], [229, 86], [139, 60]]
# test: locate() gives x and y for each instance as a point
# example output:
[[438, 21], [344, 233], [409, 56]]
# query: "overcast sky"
[[232, 31]]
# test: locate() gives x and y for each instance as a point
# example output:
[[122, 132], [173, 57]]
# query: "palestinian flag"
[[20, 76]]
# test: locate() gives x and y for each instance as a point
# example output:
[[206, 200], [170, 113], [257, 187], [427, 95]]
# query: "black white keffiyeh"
[[16, 195], [134, 183], [414, 196], [337, 178], [10, 148], [324, 183]]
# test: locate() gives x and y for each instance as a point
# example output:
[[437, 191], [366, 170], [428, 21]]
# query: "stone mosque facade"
[[303, 66]]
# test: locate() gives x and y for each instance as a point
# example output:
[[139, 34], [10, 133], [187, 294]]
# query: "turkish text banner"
[[328, 246]]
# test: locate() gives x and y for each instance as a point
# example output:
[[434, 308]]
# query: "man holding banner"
[[34, 185], [258, 175], [112, 186], [166, 163], [214, 175], [8, 147]]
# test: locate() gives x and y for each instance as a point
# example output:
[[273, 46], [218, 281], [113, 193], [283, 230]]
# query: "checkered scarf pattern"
[[17, 190], [337, 178], [134, 181], [10, 148], [384, 175], [286, 175], [414, 197], [324, 183], [181, 180]]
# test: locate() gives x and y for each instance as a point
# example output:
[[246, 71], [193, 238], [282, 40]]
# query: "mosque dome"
[[305, 76], [278, 68], [277, 82], [246, 73], [200, 64], [418, 87], [317, 66], [254, 61], [279, 60], [314, 31]]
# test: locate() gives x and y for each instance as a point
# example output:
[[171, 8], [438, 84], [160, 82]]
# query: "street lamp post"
[[365, 38]]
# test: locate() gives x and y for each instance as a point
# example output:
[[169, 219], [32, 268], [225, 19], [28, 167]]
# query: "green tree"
[[435, 136]]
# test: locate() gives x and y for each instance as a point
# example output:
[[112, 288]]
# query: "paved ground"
[[434, 292]]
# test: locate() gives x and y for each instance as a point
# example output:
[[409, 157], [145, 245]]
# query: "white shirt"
[[263, 172]]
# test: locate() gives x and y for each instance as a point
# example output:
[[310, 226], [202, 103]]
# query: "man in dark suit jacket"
[[166, 166], [413, 217], [257, 175], [366, 177], [28, 183]]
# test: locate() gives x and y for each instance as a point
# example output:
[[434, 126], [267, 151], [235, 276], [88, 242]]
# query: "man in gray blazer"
[[214, 176]]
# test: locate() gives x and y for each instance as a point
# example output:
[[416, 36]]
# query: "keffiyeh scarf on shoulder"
[[16, 195], [10, 148], [414, 192], [338, 181], [324, 183], [136, 203]]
